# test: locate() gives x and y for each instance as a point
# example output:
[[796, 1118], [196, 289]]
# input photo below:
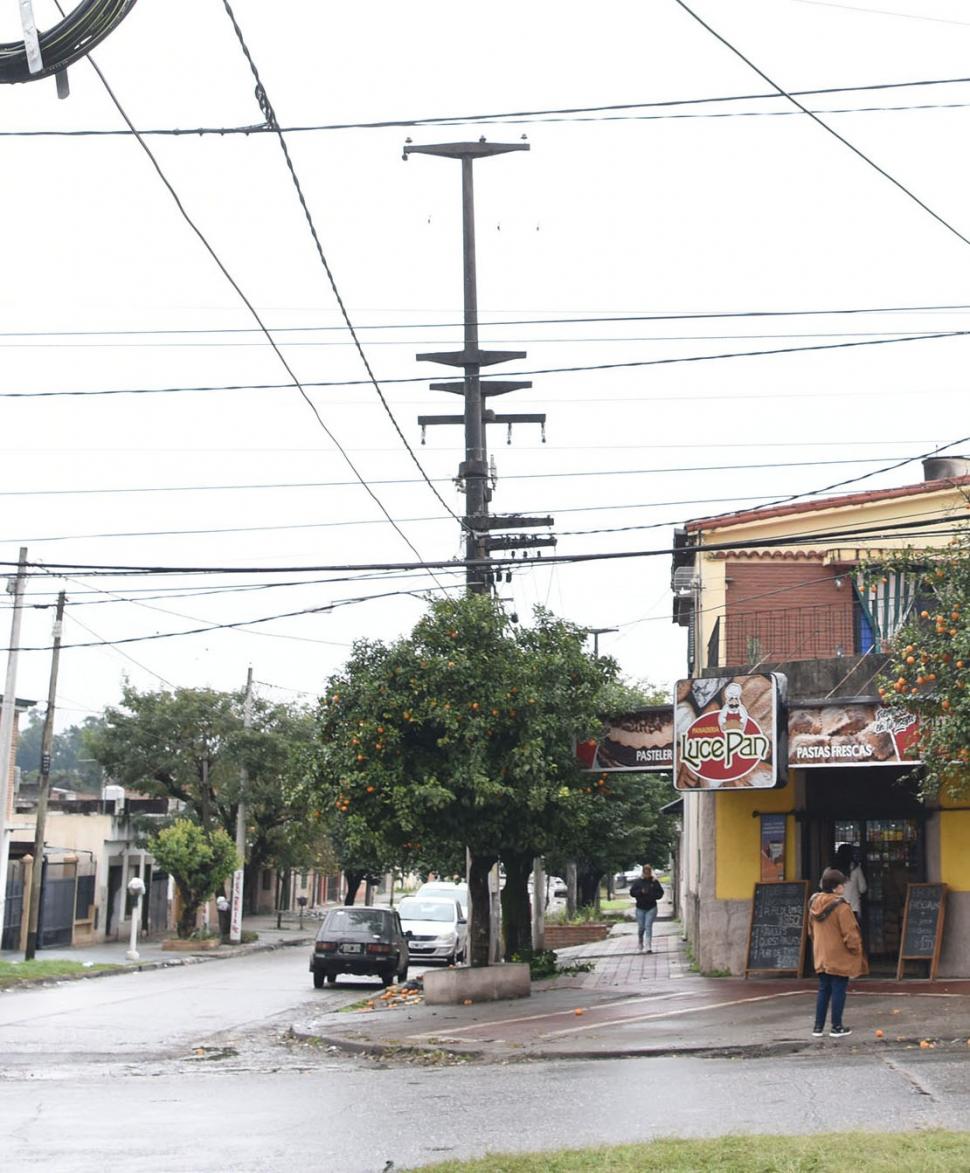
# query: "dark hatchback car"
[[360, 941]]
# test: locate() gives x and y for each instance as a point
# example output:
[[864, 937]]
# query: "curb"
[[391, 1050], [146, 966]]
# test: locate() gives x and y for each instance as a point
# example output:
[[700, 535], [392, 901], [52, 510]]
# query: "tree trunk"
[[516, 915], [587, 885], [478, 898], [189, 914], [354, 881]]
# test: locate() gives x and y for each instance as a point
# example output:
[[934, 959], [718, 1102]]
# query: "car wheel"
[[332, 978], [317, 980], [387, 977], [452, 960]]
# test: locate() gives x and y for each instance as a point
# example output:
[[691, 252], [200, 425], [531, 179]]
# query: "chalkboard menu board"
[[922, 926], [776, 938]]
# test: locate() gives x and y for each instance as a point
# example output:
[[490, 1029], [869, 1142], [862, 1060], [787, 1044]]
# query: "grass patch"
[[619, 904], [17, 973], [846, 1152]]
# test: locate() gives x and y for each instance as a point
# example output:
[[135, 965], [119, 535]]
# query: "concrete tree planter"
[[563, 936], [490, 983]]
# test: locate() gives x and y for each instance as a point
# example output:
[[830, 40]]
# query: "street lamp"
[[136, 889]]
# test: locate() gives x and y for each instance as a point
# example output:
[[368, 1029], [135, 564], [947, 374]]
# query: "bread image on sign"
[[726, 733]]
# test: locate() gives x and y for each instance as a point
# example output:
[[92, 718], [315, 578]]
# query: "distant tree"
[[190, 745], [198, 861], [71, 762]]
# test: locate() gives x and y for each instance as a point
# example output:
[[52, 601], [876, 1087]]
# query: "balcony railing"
[[795, 633]]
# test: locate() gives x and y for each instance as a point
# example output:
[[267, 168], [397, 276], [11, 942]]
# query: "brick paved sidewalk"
[[619, 963]]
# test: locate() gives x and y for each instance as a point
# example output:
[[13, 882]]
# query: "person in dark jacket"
[[646, 891], [836, 949]]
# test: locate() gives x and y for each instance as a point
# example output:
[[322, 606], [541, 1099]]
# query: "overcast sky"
[[717, 208]]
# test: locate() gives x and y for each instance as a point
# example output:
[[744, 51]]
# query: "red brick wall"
[[785, 610]]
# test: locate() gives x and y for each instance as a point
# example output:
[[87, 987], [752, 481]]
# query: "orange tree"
[[928, 675], [461, 733]]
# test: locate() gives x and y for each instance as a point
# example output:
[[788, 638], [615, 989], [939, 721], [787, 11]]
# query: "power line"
[[824, 125], [203, 239], [570, 370], [91, 569], [562, 113], [270, 115], [332, 606], [521, 476], [557, 321]]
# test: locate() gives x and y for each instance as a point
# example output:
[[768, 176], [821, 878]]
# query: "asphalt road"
[[190, 1070]]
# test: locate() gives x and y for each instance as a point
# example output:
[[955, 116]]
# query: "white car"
[[446, 890], [436, 928]]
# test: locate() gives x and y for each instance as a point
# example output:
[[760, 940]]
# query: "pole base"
[[133, 955]]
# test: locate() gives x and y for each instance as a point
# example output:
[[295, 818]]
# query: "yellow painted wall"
[[955, 845], [738, 838]]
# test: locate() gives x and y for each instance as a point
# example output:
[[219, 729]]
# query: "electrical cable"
[[270, 115], [332, 606], [560, 321], [521, 476], [73, 37], [571, 370], [203, 239], [825, 126], [101, 569], [544, 115]]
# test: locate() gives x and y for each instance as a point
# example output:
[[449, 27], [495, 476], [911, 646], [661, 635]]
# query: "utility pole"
[[15, 587], [596, 632], [238, 876], [37, 878], [474, 471]]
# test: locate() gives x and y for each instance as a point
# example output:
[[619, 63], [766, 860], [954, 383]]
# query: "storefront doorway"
[[878, 814]]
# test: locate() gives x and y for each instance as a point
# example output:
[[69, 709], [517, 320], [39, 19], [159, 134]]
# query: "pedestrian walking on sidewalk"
[[836, 950], [646, 891]]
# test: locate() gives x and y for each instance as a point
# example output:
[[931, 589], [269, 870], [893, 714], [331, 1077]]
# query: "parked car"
[[557, 886], [436, 929], [446, 890], [360, 941]]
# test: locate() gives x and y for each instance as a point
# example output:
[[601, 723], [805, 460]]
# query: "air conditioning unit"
[[683, 581]]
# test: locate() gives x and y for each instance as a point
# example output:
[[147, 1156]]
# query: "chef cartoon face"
[[733, 713]]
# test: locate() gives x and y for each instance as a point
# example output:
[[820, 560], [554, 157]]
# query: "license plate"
[[351, 948]]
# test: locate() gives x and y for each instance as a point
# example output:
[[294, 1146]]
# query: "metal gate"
[[14, 907], [57, 905], [158, 903]]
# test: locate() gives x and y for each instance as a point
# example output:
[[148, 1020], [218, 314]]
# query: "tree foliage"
[[199, 861], [71, 759], [461, 734], [190, 744], [928, 676]]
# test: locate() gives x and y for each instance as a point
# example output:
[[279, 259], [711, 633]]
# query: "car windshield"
[[357, 920], [415, 909]]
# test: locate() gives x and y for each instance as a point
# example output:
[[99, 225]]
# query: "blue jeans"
[[645, 919], [830, 986]]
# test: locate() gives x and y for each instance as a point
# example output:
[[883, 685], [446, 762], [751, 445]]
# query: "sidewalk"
[[153, 956], [652, 1004]]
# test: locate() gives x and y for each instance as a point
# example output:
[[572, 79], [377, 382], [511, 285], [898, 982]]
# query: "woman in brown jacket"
[[836, 950]]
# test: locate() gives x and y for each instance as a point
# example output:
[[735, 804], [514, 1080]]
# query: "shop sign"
[[859, 733], [641, 740], [728, 733]]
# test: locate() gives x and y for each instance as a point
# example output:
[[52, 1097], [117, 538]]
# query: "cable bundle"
[[72, 38]]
